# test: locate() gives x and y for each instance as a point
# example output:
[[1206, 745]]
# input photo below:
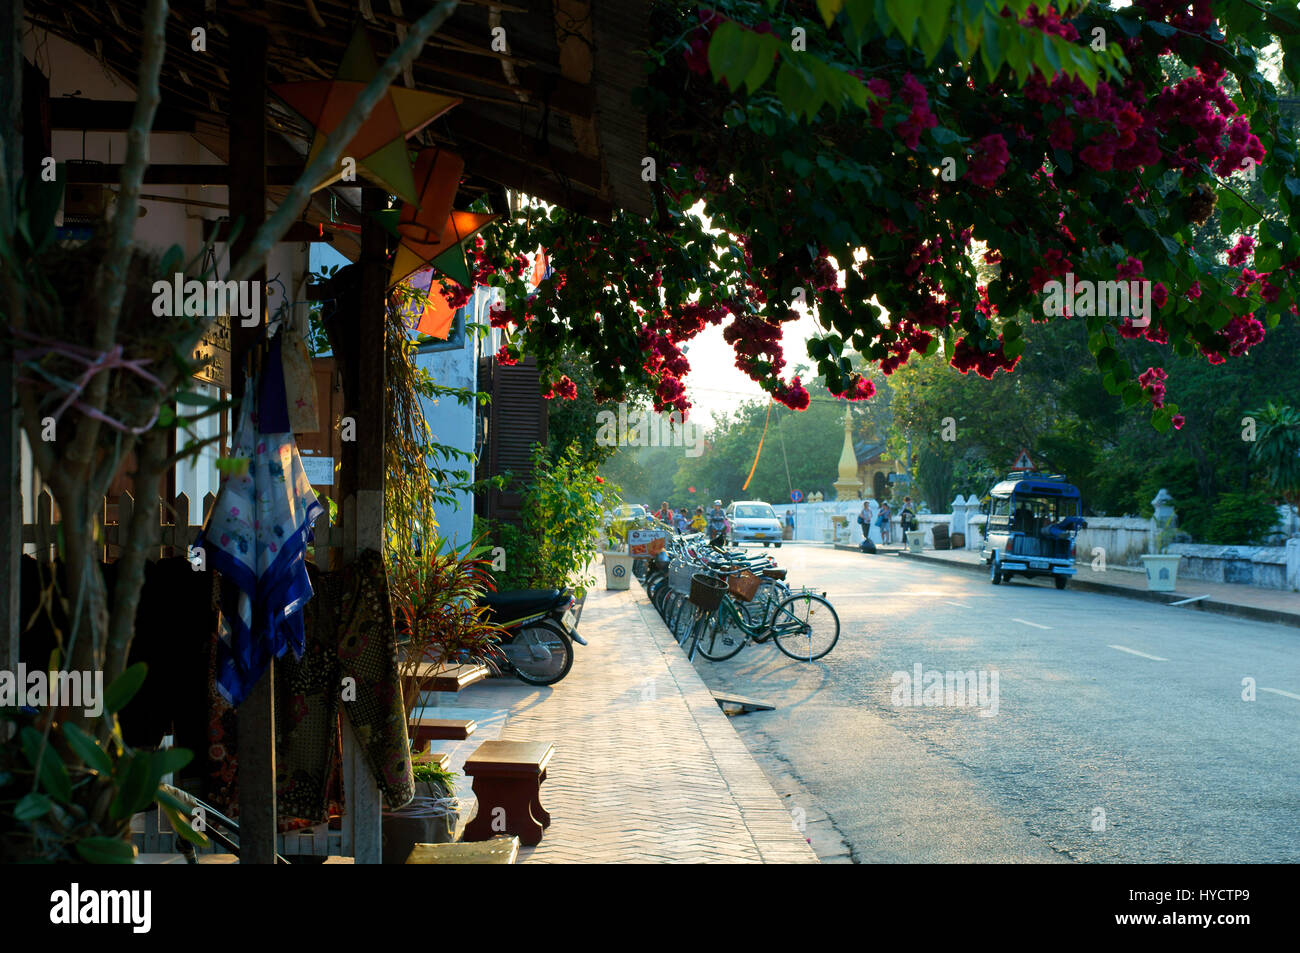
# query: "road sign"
[[796, 496]]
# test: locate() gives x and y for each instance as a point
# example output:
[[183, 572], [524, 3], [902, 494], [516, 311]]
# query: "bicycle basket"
[[679, 576], [743, 585], [707, 592]]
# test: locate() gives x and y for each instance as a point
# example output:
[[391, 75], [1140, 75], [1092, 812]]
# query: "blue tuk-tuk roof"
[[1036, 487]]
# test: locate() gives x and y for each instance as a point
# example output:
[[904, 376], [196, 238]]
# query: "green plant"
[[435, 602], [430, 772], [1277, 449], [66, 797], [562, 528], [1239, 519]]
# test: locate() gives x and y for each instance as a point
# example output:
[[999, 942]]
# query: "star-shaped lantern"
[[429, 230], [379, 146]]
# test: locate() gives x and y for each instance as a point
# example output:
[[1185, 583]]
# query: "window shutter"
[[516, 421]]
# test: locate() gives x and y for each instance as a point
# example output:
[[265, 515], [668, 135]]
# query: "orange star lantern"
[[379, 146], [429, 230]]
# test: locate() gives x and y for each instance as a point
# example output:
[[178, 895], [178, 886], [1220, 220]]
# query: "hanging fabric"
[[256, 536], [299, 383]]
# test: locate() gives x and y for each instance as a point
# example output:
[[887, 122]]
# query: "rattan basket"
[[743, 585], [707, 592]]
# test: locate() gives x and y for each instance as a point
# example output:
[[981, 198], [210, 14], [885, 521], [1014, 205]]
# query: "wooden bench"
[[498, 850], [508, 777], [429, 677], [424, 730]]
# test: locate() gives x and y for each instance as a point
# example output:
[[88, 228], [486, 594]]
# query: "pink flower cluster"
[[920, 119], [564, 389], [1153, 381], [966, 358], [1241, 251], [989, 161]]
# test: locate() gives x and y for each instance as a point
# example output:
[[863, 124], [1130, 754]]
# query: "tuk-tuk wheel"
[[1060, 581]]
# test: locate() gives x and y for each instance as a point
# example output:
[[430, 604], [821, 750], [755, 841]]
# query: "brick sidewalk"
[[647, 768], [1265, 605]]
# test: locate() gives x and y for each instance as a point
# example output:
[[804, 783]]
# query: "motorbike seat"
[[517, 603]]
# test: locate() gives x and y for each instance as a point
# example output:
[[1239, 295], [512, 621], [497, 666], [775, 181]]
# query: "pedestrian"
[[882, 520], [683, 521], [789, 519], [864, 518], [665, 513], [907, 516], [699, 524]]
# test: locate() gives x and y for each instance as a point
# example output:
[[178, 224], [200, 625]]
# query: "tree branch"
[[110, 279], [327, 160]]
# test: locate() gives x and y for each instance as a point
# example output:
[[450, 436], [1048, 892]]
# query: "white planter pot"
[[915, 540], [1162, 571], [618, 570]]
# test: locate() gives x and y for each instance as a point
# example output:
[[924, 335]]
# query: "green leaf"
[[763, 64], [106, 850], [54, 774], [724, 48], [87, 749], [829, 9], [32, 806], [181, 825], [124, 688], [136, 789], [904, 14], [170, 760], [1013, 349]]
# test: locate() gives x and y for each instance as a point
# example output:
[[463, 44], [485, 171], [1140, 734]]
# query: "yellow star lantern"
[[379, 146]]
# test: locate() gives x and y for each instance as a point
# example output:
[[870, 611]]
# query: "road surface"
[[1120, 731]]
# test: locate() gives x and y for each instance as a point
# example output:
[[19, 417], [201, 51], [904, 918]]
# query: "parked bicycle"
[[716, 602]]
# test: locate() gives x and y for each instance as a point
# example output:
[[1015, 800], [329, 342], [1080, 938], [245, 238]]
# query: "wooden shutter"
[[516, 421]]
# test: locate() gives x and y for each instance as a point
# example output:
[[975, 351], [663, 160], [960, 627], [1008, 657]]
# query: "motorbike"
[[541, 626]]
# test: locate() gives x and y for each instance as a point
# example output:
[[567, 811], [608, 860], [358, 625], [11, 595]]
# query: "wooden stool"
[[508, 775], [499, 850]]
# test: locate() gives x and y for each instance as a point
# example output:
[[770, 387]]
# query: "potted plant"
[[1162, 566], [430, 818]]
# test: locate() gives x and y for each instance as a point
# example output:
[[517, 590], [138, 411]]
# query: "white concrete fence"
[[1122, 539]]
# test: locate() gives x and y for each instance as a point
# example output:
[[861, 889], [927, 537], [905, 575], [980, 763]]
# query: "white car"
[[753, 521]]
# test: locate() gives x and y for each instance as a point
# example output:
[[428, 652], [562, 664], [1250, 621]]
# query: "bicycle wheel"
[[770, 592], [721, 638], [684, 622], [541, 653], [805, 627]]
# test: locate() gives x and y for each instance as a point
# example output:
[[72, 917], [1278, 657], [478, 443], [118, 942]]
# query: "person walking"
[[907, 516], [683, 521], [864, 521], [665, 513], [883, 521]]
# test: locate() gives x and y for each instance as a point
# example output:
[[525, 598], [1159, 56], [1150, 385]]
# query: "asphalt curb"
[[1205, 605]]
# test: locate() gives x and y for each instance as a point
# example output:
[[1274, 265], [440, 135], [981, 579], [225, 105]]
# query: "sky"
[[715, 386]]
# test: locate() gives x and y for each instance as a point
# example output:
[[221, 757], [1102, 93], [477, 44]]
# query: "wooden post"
[[369, 408], [11, 517], [256, 731]]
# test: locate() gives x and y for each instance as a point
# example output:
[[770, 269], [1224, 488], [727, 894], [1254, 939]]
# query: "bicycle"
[[804, 626]]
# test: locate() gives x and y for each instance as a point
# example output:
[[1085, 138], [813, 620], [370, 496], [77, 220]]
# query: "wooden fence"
[[175, 533], [335, 544]]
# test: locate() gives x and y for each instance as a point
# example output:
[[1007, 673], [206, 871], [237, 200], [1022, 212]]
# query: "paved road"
[[1120, 732]]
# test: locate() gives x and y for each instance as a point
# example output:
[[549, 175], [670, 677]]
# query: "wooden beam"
[[298, 232], [163, 174], [503, 139], [517, 176], [256, 738]]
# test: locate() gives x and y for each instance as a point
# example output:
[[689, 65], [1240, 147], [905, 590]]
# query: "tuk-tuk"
[[1032, 523]]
